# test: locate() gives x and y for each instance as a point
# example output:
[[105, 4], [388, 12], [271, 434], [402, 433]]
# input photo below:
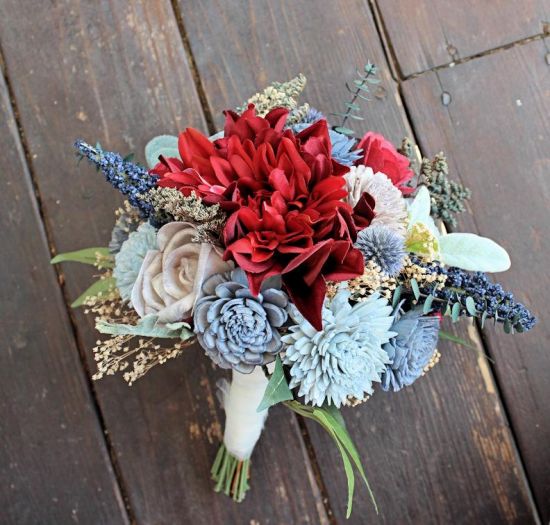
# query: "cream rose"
[[170, 279]]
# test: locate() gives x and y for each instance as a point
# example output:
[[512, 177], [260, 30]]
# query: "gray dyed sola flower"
[[411, 350], [237, 329], [344, 359]]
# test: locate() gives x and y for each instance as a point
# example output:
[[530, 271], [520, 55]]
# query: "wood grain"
[[496, 133], [429, 33], [117, 72], [445, 441], [52, 441]]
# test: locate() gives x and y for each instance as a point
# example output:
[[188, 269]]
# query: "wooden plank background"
[[466, 444]]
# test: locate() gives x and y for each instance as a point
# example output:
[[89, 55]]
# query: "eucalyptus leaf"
[[455, 312], [277, 388], [99, 287], [471, 306], [165, 145], [427, 308], [86, 256], [472, 252], [396, 296], [415, 289], [147, 326]]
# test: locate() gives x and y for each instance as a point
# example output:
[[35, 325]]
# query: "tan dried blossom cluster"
[[117, 353], [375, 280], [208, 220], [280, 94], [120, 352], [422, 275]]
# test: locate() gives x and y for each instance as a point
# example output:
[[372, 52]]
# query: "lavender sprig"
[[129, 178]]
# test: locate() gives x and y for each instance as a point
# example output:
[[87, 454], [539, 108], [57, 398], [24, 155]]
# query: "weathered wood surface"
[[496, 132], [445, 441], [429, 33], [117, 72], [54, 462]]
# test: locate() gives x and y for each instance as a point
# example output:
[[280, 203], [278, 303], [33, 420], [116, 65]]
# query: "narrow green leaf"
[[355, 117], [277, 388], [372, 80], [427, 308], [86, 256], [455, 339], [455, 312], [362, 97], [471, 306], [353, 107], [507, 326], [415, 289], [99, 287]]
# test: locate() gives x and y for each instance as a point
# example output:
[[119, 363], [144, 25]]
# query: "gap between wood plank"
[[306, 438], [393, 63], [61, 282], [478, 332]]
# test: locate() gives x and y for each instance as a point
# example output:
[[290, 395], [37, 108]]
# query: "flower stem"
[[230, 474]]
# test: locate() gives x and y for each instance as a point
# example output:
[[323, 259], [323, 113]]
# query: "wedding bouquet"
[[313, 265]]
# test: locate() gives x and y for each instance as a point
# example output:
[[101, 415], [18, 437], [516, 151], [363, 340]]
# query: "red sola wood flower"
[[285, 195], [381, 155]]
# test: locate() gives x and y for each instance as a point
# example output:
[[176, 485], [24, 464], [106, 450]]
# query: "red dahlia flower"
[[285, 194], [380, 155]]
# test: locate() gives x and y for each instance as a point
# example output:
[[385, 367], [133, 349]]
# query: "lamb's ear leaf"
[[86, 256], [277, 389], [419, 208], [472, 252], [165, 145], [147, 326], [99, 287]]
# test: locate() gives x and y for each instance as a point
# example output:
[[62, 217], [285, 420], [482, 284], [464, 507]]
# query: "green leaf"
[[97, 288], [372, 80], [147, 326], [455, 339], [396, 296], [355, 117], [455, 312], [471, 306], [427, 308], [165, 145], [331, 420], [277, 388], [345, 131], [86, 256], [472, 252], [353, 107], [415, 289]]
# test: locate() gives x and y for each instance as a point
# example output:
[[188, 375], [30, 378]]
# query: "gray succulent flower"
[[237, 329], [411, 350]]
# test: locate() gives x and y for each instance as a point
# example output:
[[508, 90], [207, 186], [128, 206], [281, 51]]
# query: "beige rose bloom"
[[170, 279]]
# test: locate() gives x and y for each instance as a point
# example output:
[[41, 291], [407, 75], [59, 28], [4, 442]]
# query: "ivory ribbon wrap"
[[243, 424]]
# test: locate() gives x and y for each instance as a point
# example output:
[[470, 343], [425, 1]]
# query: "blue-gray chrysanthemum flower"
[[129, 259], [346, 357], [383, 246], [237, 329], [411, 349], [342, 146]]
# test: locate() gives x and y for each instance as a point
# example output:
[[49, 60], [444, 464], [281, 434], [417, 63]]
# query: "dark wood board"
[[54, 462], [117, 72], [429, 33], [496, 133], [445, 441]]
